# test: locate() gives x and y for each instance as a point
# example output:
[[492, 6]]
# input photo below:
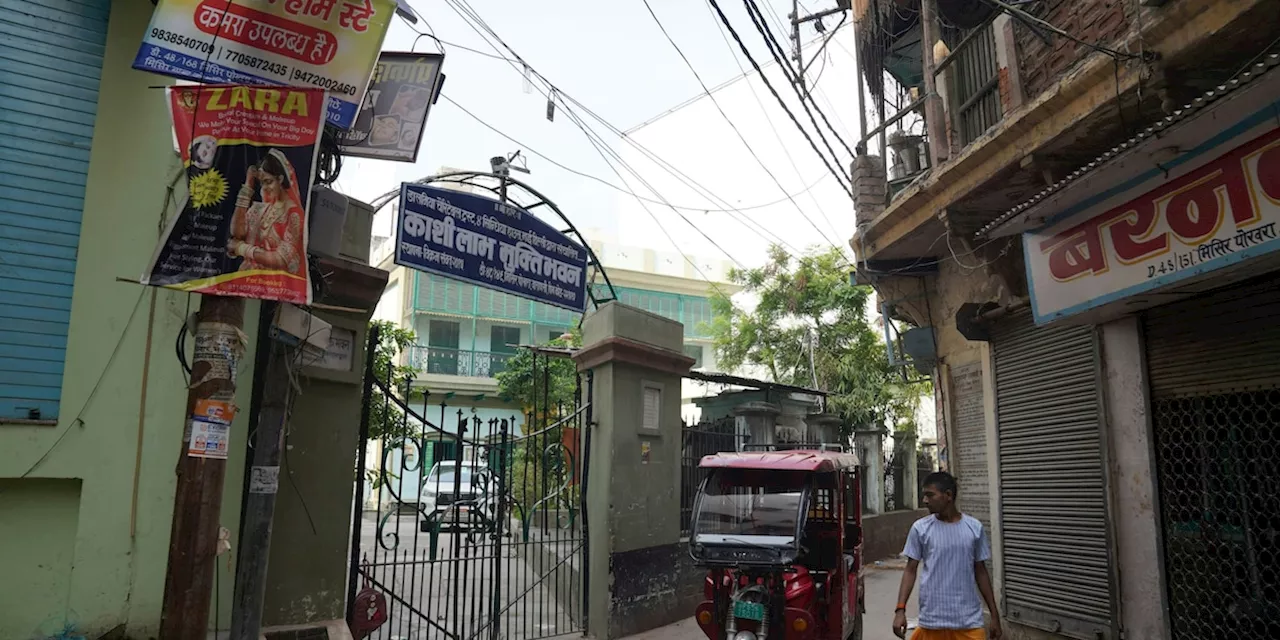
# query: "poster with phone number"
[[329, 44]]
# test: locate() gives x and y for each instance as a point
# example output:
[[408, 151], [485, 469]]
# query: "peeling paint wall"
[[1133, 481], [653, 587]]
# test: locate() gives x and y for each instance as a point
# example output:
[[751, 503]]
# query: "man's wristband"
[[901, 607]]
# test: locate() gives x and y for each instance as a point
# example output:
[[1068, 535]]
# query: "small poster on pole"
[[250, 153], [210, 429]]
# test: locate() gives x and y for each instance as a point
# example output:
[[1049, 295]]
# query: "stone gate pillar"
[[869, 445], [635, 561], [824, 428], [757, 423], [908, 489]]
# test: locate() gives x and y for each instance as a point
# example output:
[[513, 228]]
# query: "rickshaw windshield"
[[748, 506]]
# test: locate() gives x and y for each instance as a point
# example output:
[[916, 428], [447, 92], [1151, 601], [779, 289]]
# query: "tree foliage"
[[546, 388], [386, 420], [533, 380], [809, 327]]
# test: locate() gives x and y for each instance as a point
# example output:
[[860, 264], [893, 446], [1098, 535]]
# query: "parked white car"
[[456, 496]]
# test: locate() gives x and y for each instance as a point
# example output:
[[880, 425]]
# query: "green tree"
[[809, 328], [386, 420], [548, 382], [546, 390]]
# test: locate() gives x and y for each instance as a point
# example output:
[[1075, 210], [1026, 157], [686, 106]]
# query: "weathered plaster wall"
[[307, 569], [1133, 481], [117, 560], [884, 535], [634, 481]]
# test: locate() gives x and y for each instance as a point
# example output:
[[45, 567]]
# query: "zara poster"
[[250, 153]]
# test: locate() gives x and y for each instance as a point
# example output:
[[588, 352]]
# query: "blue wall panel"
[[50, 69]]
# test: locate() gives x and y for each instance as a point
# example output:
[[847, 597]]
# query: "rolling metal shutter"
[[1058, 567], [1225, 341], [50, 67], [1213, 365]]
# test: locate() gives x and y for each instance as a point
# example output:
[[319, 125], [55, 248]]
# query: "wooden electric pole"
[[193, 538]]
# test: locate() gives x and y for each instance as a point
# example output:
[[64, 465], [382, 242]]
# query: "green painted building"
[[92, 396]]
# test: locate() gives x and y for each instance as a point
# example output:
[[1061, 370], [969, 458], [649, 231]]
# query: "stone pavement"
[[882, 590]]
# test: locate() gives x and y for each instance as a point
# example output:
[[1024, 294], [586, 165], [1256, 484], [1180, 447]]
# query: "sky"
[[612, 58]]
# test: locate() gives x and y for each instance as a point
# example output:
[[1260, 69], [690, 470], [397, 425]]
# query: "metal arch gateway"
[[480, 531], [506, 189], [480, 528]]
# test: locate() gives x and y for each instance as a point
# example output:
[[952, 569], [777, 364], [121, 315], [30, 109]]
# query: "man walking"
[[953, 549]]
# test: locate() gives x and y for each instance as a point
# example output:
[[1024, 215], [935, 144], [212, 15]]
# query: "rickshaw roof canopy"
[[796, 460]]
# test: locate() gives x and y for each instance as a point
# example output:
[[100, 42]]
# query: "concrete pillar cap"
[[757, 408]]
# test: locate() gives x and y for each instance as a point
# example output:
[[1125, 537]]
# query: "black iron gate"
[[469, 529]]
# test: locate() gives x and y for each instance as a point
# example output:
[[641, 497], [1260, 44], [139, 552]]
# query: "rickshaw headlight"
[[704, 617], [800, 625], [744, 635]]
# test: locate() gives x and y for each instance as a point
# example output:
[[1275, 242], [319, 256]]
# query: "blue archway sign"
[[489, 244]]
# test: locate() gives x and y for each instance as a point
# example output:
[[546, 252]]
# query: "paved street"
[[456, 585], [452, 590], [882, 590]]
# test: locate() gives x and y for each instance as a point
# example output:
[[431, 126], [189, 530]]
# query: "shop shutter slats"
[[1057, 565], [50, 69], [1213, 367], [1194, 347]]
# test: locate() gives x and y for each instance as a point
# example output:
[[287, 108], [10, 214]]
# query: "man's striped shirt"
[[947, 552]]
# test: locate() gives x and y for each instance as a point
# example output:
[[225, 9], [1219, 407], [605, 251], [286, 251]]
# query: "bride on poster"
[[268, 233]]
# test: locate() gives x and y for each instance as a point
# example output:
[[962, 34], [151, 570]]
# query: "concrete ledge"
[[884, 534], [616, 349]]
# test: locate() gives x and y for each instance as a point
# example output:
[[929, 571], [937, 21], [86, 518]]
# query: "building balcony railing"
[[458, 362]]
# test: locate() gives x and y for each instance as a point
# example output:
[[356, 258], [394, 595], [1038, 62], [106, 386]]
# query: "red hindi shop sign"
[[1219, 214], [250, 153]]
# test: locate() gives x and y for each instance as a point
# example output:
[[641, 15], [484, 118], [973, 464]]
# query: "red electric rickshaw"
[[780, 533]]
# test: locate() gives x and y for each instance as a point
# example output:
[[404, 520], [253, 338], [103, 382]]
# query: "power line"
[[768, 118], [743, 74], [611, 185], [663, 229], [470, 12], [750, 58], [555, 92], [706, 91], [776, 50], [1029, 18], [676, 172]]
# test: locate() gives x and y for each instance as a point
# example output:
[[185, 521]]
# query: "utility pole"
[[796, 53], [260, 498], [193, 538]]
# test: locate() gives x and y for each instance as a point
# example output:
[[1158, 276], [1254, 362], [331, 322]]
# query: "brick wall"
[[870, 187], [1006, 97], [1040, 63]]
